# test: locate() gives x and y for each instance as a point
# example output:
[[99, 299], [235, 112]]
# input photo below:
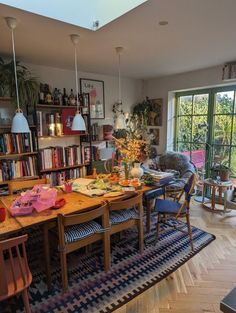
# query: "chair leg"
[[158, 227], [141, 235], [107, 251], [25, 297], [189, 231], [64, 274], [46, 248]]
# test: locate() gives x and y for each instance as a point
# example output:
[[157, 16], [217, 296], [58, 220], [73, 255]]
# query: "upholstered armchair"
[[228, 203]]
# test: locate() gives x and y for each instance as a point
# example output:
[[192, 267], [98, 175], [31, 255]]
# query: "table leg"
[[213, 198], [46, 248], [148, 215], [220, 195]]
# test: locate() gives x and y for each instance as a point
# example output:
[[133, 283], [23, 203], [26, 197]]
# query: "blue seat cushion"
[[152, 194], [168, 206], [81, 231], [117, 217]]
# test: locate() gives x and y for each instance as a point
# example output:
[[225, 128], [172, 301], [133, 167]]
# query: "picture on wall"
[[154, 136], [155, 114], [95, 88]]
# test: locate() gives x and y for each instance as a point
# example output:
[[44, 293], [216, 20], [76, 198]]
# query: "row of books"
[[16, 143], [58, 178], [12, 169], [56, 157]]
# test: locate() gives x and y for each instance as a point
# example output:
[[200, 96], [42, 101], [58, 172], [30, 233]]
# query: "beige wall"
[[165, 87]]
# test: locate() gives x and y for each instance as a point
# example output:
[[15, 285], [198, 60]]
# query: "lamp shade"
[[19, 123], [78, 122], [120, 122]]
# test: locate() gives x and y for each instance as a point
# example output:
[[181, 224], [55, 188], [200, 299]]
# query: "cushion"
[[152, 194], [81, 231], [117, 217], [168, 206]]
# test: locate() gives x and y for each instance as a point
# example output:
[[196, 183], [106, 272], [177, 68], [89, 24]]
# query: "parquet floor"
[[200, 284]]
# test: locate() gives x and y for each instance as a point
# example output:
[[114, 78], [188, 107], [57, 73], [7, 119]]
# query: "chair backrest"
[[79, 218], [25, 184], [136, 200], [189, 187], [10, 249]]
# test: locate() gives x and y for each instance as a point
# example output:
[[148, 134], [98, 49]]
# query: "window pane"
[[184, 133], [222, 129], [224, 102], [234, 132], [198, 155], [200, 104], [200, 128], [233, 162], [185, 105], [184, 147], [221, 154]]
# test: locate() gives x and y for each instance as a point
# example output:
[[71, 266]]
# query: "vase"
[[137, 171]]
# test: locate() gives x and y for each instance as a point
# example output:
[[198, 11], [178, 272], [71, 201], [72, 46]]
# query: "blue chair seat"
[[117, 217], [81, 231], [168, 206]]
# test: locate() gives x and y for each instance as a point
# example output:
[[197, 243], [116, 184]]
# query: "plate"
[[113, 194]]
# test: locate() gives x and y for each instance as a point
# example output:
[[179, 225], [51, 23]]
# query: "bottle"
[[94, 173], [59, 97], [55, 97], [71, 98], [48, 94], [41, 94], [64, 97]]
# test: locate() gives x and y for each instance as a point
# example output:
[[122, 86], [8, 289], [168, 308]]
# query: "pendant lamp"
[[120, 118], [78, 121], [19, 122]]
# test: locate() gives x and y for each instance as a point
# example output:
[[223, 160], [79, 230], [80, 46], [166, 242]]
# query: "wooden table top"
[[75, 202]]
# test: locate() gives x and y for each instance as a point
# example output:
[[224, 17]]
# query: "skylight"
[[83, 13]]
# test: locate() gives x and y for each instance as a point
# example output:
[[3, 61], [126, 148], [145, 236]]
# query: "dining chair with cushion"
[[127, 213], [15, 276], [19, 185], [174, 209], [80, 230]]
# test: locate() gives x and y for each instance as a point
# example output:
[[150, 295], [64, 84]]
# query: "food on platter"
[[135, 182], [125, 183], [148, 179]]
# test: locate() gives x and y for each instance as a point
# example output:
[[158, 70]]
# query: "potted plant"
[[28, 85], [221, 170]]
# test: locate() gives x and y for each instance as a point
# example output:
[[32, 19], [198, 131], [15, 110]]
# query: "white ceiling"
[[200, 33]]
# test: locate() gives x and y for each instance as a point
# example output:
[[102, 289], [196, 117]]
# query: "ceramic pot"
[[137, 171]]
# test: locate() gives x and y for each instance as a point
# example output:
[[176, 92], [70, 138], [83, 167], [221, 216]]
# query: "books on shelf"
[[56, 157], [58, 178], [39, 123], [13, 169], [86, 154], [16, 143]]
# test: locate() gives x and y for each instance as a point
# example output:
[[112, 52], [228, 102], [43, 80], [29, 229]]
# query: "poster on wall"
[[67, 116], [154, 136], [95, 88], [155, 114]]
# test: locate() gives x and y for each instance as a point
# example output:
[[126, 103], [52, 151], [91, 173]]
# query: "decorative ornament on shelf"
[[78, 121], [19, 122]]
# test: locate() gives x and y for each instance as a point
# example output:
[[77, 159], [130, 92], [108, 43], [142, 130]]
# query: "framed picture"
[[155, 115], [67, 116], [95, 88], [154, 136]]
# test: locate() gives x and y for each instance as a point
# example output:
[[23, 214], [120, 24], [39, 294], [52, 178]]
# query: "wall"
[[165, 87]]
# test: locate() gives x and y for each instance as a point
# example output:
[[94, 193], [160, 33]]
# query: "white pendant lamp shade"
[[120, 122], [78, 122], [19, 122]]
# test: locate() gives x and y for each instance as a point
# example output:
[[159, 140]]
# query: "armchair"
[[228, 203]]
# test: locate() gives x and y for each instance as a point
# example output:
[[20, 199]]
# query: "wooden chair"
[[174, 209], [25, 184], [15, 276], [80, 230], [127, 213]]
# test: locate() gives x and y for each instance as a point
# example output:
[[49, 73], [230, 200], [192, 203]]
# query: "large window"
[[206, 126]]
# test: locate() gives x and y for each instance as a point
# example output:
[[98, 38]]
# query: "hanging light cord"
[[14, 60], [119, 81], [76, 80]]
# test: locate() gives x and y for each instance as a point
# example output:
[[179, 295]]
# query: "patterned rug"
[[92, 290]]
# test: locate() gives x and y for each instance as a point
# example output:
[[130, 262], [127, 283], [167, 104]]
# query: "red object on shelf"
[[67, 116], [2, 214]]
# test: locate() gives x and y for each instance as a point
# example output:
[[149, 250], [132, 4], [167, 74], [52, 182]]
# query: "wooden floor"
[[200, 284]]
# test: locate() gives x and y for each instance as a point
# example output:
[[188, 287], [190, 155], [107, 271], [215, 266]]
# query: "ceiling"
[[200, 34]]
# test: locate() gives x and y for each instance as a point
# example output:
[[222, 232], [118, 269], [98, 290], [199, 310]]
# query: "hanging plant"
[[28, 85]]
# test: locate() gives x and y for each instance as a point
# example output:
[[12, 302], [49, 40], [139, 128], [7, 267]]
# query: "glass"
[[233, 162], [198, 155], [234, 131], [221, 155], [224, 102], [199, 129], [222, 129], [184, 148], [200, 104], [184, 131], [185, 105]]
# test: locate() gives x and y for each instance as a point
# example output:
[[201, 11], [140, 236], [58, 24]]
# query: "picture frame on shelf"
[[95, 88], [156, 112], [67, 116]]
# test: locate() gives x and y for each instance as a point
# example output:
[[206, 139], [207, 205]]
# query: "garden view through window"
[[206, 127]]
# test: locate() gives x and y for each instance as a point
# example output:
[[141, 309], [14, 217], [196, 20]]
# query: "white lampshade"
[[20, 123], [78, 122], [120, 122]]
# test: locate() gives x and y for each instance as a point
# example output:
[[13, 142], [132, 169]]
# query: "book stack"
[[58, 178], [86, 154], [16, 143], [12, 169], [55, 157], [160, 178]]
